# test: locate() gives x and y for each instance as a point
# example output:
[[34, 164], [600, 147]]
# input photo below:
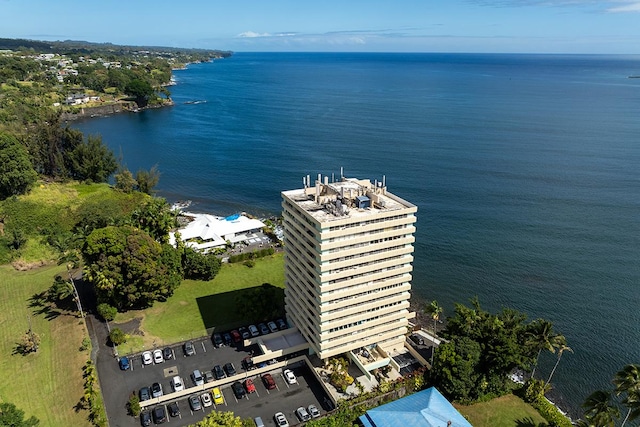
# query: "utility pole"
[[76, 296]]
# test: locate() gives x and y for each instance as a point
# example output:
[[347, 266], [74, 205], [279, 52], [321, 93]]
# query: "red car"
[[268, 381], [235, 336], [249, 386]]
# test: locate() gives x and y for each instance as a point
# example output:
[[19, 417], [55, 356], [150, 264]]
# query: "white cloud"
[[252, 34], [606, 5], [632, 6]]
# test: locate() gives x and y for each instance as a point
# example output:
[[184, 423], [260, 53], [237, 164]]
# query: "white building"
[[348, 254]]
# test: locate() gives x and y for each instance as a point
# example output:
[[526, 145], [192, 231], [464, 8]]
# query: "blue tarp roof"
[[427, 408]]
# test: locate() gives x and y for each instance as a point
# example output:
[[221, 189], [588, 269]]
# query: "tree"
[[156, 218], [125, 181], [29, 343], [60, 290], [17, 175], [117, 337], [434, 310], [140, 90], [128, 268], [627, 381], [562, 347], [107, 312], [11, 416], [540, 336], [455, 369], [599, 409], [220, 419], [147, 180], [197, 266], [92, 161]]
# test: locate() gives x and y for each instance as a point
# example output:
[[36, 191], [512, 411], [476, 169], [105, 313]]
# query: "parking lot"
[[118, 385]]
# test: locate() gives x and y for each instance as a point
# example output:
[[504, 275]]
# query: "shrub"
[[133, 405], [107, 312], [86, 344], [117, 337]]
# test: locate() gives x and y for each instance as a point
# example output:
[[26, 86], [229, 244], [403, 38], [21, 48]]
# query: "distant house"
[[209, 231], [427, 408], [77, 99]]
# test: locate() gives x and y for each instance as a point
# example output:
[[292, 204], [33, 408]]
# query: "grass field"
[[197, 305], [47, 384], [505, 411]]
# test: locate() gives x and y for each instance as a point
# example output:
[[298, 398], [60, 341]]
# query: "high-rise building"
[[348, 254]]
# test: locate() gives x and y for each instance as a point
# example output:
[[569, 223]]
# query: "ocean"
[[525, 170]]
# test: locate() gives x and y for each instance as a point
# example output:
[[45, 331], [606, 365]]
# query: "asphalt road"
[[117, 385]]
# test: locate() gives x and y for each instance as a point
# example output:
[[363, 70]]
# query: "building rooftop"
[[427, 408], [346, 198]]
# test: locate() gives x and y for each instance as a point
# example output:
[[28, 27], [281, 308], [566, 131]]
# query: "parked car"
[[157, 356], [167, 353], [218, 372], [156, 390], [206, 399], [249, 385], [124, 363], [145, 418], [197, 378], [264, 330], [272, 327], [194, 402], [189, 349], [258, 422], [281, 324], [302, 414], [417, 339], [281, 420], [144, 394], [159, 414], [226, 337], [208, 376], [268, 381], [174, 409], [176, 383], [236, 336], [313, 411], [238, 390], [230, 369], [247, 363], [253, 330], [147, 358], [218, 398], [217, 340], [289, 376], [244, 332]]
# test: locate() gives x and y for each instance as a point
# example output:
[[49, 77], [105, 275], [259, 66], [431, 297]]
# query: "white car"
[[302, 414], [253, 330], [289, 376], [313, 411], [206, 400], [177, 384], [147, 359], [157, 356], [281, 420]]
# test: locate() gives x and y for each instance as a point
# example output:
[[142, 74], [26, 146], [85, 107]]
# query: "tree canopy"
[[17, 175], [11, 416], [128, 268]]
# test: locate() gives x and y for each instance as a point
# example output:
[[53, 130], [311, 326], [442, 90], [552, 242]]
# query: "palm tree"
[[434, 310], [627, 380], [599, 409], [72, 260], [540, 336], [562, 347]]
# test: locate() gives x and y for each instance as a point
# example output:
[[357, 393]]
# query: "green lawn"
[[505, 411], [47, 384], [198, 305]]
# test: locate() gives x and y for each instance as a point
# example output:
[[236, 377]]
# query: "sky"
[[487, 26]]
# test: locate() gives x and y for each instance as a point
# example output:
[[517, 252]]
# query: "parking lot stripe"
[[203, 347]]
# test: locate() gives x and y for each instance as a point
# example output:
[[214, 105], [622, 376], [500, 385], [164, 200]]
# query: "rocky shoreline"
[[107, 110]]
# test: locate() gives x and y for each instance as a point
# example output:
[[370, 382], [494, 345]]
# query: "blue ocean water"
[[524, 168]]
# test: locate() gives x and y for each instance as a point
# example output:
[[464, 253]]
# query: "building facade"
[[348, 255]]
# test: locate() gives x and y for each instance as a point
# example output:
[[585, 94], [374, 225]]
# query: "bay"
[[524, 169]]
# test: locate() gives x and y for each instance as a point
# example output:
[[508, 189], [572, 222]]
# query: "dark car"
[[226, 337], [124, 363], [168, 353], [268, 381], [264, 330], [174, 409], [417, 339], [145, 418], [230, 369], [194, 402], [281, 324], [217, 340], [218, 372], [238, 389], [208, 376], [244, 332], [159, 415], [247, 363], [236, 337], [144, 394], [189, 349]]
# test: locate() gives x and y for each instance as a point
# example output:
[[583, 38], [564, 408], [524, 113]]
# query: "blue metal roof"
[[427, 408]]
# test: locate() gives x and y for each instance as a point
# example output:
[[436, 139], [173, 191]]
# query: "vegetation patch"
[[505, 411]]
